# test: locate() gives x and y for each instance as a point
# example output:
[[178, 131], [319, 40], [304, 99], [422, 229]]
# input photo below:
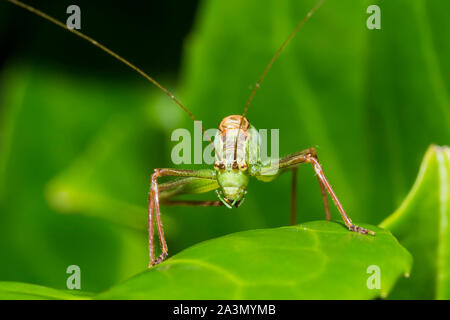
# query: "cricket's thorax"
[[237, 150]]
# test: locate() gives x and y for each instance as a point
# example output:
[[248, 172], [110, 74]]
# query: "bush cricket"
[[237, 158]]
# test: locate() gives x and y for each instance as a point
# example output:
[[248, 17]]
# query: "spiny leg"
[[155, 201], [310, 156], [325, 200], [293, 216], [322, 190], [190, 181], [289, 162], [152, 207]]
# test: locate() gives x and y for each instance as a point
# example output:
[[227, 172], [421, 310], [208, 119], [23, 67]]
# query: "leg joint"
[[313, 152]]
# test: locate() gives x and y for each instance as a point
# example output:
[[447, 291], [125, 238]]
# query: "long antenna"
[[111, 53], [299, 26]]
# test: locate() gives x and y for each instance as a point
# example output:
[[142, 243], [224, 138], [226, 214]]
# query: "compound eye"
[[219, 166], [243, 166]]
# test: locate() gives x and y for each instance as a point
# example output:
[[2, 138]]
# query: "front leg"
[[194, 185]]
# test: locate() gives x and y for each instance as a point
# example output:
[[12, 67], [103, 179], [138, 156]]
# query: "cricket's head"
[[233, 181]]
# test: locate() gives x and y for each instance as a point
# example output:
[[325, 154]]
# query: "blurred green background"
[[80, 134]]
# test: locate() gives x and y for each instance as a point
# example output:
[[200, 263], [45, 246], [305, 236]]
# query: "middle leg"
[[288, 162]]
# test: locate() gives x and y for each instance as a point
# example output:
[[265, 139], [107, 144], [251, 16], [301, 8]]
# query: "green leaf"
[[421, 225], [50, 123], [25, 291], [316, 260], [372, 101]]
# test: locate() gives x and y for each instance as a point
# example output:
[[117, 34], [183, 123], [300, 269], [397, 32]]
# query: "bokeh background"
[[80, 133]]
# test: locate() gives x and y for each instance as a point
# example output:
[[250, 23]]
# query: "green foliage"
[[77, 149], [25, 291], [316, 260], [299, 262], [52, 127], [421, 225]]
